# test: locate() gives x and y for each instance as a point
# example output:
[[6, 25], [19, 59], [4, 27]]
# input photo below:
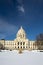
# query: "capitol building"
[[20, 42]]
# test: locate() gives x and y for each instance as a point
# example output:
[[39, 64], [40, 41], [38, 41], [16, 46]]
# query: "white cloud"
[[21, 9], [20, 6], [7, 29]]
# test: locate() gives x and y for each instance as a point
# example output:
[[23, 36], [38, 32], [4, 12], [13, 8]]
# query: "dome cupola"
[[21, 33]]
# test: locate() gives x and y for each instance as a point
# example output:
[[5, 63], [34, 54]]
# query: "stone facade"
[[21, 42]]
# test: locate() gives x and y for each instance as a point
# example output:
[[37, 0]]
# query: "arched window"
[[18, 43], [18, 47], [21, 46], [23, 35], [21, 43]]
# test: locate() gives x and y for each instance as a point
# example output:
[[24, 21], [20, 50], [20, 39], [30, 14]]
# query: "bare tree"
[[39, 41], [1, 46]]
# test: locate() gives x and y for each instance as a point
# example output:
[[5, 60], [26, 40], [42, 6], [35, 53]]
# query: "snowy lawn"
[[26, 58]]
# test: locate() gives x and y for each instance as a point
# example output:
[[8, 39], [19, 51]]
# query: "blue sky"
[[17, 13]]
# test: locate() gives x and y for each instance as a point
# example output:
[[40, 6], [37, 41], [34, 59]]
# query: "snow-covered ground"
[[26, 58]]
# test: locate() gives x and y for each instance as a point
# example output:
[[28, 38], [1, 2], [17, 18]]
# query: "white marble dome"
[[21, 33]]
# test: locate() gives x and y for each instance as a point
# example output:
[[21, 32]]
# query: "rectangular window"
[[23, 43], [15, 46], [15, 43], [26, 46], [23, 47]]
